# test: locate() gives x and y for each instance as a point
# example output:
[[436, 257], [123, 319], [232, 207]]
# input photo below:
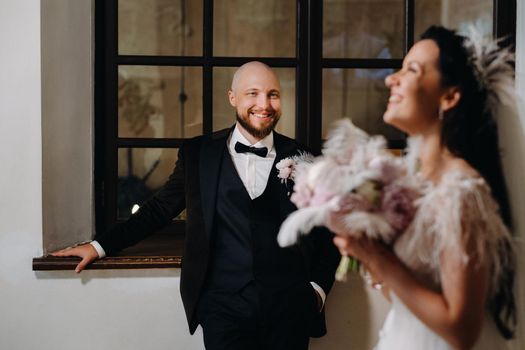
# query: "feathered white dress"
[[460, 206]]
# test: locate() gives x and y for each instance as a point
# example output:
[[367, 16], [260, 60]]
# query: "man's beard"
[[258, 133]]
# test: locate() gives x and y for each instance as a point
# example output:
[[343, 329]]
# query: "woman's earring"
[[441, 114]]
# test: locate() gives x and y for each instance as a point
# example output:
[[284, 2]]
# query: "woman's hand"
[[374, 255], [335, 223]]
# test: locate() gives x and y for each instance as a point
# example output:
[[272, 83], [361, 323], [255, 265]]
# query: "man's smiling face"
[[256, 96]]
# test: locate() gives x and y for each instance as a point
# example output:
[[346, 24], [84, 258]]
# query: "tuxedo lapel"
[[283, 147], [212, 151]]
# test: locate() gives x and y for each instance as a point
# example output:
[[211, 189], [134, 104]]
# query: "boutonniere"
[[288, 167]]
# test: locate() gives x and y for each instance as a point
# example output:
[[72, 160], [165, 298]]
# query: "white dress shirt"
[[254, 172]]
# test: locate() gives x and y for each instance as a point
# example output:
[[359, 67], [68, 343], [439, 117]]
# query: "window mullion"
[[107, 112], [409, 25], [207, 71], [505, 21], [366, 63], [315, 74], [301, 72]]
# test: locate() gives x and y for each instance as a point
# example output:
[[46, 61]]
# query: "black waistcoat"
[[244, 245]]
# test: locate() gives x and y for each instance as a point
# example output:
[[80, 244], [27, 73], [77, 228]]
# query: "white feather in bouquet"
[[358, 176]]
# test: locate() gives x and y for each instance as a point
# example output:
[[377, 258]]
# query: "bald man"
[[236, 282]]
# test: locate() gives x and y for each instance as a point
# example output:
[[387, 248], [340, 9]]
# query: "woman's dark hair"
[[470, 132]]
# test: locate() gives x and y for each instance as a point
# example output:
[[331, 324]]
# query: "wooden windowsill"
[[157, 251], [51, 263]]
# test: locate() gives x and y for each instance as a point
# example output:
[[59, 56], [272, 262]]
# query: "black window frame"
[[308, 63]]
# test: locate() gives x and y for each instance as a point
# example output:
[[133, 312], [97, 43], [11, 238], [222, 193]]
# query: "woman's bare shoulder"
[[460, 165]]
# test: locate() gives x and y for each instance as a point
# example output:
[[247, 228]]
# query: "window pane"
[[358, 94], [363, 29], [159, 102], [141, 173], [224, 113], [254, 28], [454, 14], [160, 27]]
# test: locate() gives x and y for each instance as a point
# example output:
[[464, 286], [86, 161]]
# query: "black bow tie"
[[242, 148]]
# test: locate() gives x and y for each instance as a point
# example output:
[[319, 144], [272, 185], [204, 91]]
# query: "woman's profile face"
[[416, 91]]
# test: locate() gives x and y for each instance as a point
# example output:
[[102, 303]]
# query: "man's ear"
[[450, 98], [231, 98]]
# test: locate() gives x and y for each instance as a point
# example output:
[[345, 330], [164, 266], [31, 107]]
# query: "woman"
[[450, 275]]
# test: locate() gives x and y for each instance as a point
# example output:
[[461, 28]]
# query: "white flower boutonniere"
[[288, 167]]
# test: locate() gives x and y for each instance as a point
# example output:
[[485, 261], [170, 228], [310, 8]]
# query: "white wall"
[[102, 309], [67, 117], [514, 147], [57, 310]]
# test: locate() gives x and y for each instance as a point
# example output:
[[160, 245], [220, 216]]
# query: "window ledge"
[[51, 263], [157, 251]]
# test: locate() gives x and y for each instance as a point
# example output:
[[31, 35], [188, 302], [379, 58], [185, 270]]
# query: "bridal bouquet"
[[359, 178]]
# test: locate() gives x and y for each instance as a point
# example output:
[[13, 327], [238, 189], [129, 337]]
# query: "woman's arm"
[[456, 314]]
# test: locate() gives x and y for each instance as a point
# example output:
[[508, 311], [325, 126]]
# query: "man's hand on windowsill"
[[85, 251]]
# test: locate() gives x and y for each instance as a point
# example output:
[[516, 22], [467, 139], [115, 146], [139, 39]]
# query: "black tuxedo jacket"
[[193, 185]]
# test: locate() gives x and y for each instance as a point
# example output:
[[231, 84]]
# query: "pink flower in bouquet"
[[398, 205], [302, 195], [354, 202], [321, 196], [388, 167]]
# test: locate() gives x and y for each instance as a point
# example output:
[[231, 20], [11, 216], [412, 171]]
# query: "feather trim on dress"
[[458, 210]]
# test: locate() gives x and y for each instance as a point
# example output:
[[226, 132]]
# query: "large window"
[[163, 68]]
